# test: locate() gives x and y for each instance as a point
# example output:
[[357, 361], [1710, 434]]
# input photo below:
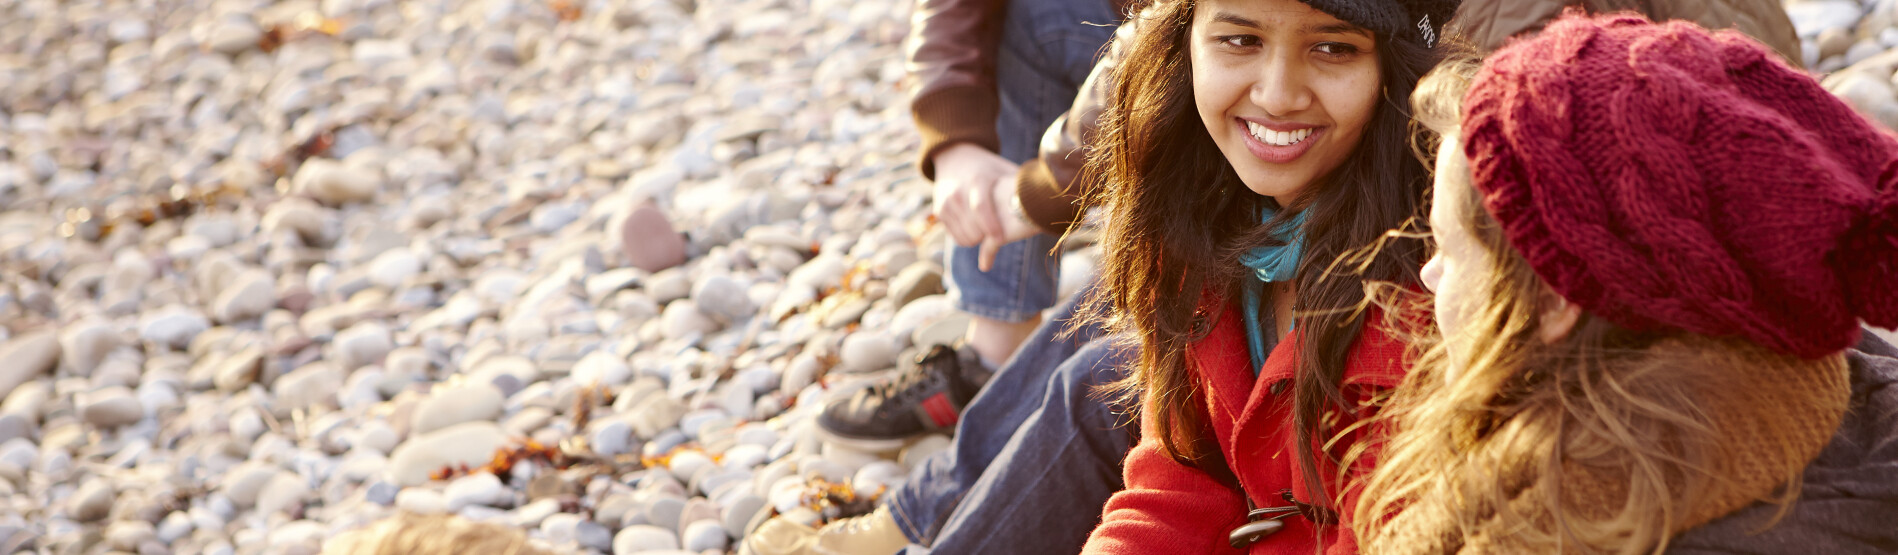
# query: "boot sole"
[[865, 443]]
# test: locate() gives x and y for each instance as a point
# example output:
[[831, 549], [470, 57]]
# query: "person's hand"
[[1015, 223], [966, 178], [975, 199]]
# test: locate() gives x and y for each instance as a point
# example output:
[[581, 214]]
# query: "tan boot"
[[872, 534], [780, 536]]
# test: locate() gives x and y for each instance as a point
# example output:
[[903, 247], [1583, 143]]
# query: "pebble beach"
[[274, 271]]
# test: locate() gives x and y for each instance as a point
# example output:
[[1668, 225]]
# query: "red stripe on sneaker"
[[940, 410]]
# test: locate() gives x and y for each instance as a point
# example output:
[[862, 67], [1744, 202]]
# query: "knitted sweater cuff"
[[1044, 200], [954, 115]]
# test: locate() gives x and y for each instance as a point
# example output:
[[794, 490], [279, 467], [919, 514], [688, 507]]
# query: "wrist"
[[956, 152]]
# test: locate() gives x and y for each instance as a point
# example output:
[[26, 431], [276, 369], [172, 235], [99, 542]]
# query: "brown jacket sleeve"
[[1488, 24], [1051, 185], [952, 49]]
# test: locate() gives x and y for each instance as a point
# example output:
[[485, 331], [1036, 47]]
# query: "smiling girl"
[[1249, 145], [1655, 248]]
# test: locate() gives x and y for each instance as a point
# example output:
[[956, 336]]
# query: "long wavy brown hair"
[[1178, 218], [1605, 441]]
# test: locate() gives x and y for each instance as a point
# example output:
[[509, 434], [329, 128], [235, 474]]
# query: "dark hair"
[[1179, 217]]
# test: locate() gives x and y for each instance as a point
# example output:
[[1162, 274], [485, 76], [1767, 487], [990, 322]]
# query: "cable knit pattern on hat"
[[1665, 177]]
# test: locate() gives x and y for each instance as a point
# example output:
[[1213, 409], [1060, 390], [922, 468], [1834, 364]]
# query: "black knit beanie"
[[1417, 20]]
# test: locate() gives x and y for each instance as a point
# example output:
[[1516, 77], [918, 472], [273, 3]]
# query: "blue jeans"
[[1047, 49], [1037, 452]]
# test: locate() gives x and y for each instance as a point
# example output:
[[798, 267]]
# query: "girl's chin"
[[1275, 186]]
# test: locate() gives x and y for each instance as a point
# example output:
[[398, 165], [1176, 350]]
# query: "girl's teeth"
[[1277, 138]]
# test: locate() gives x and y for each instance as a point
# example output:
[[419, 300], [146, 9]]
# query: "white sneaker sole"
[[865, 444]]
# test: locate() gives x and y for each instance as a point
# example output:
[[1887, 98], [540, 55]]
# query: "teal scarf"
[[1271, 265]]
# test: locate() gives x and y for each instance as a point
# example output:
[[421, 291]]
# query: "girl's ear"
[[1558, 318]]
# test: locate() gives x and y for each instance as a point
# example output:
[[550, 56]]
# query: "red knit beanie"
[[1669, 178]]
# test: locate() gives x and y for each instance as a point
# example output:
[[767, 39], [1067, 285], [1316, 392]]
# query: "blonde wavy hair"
[[412, 534], [1605, 441]]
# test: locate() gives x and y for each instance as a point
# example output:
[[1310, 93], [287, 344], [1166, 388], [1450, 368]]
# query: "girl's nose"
[[1281, 88]]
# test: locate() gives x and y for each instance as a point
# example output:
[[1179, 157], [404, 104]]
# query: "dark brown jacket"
[[952, 63]]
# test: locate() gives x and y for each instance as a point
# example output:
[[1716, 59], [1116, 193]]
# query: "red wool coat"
[[1173, 508]]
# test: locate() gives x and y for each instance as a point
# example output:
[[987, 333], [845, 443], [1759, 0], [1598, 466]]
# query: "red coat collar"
[[1376, 360]]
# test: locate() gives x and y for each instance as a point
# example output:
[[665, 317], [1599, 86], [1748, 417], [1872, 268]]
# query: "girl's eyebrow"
[[1234, 19], [1339, 28]]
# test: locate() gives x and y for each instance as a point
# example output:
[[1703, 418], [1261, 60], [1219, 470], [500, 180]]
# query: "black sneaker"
[[927, 396]]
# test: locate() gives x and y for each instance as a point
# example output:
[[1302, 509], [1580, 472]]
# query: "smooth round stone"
[[746, 456], [664, 512], [592, 535], [878, 476], [755, 433], [376, 436], [612, 438], [869, 351], [448, 406], [249, 295], [723, 298], [657, 413], [363, 344], [421, 501], [736, 515], [561, 528], [850, 458], [602, 367], [469, 443], [362, 466], [245, 483], [649, 242], [687, 463], [615, 508], [918, 280], [129, 534], [944, 329], [821, 273], [697, 422], [173, 326], [233, 35], [531, 514], [176, 526], [84, 344], [801, 373], [667, 286], [92, 502], [297, 537], [705, 535], [787, 493], [922, 449], [28, 355], [19, 452], [238, 370], [247, 425], [712, 481], [644, 537], [313, 385], [14, 426], [111, 407], [826, 470], [683, 318], [521, 369], [481, 488], [382, 493], [394, 267], [284, 493], [335, 183]]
